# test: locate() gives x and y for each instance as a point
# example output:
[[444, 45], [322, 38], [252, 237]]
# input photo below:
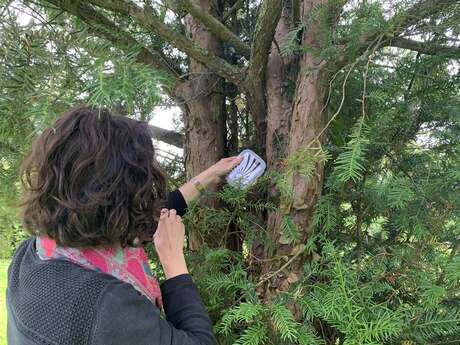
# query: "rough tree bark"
[[281, 73], [294, 122], [203, 98]]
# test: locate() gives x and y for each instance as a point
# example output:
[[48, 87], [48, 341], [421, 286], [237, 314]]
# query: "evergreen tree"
[[352, 236]]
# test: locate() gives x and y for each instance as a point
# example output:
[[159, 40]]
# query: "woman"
[[93, 193]]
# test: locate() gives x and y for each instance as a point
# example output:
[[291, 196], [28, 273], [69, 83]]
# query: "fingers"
[[232, 158], [238, 159], [171, 214], [167, 218], [174, 216], [164, 213], [231, 162]]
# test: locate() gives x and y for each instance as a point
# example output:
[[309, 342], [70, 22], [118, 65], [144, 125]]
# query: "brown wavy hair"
[[92, 179]]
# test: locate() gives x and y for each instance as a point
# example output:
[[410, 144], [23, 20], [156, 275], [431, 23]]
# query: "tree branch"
[[232, 10], [269, 15], [103, 27], [428, 48], [167, 136], [150, 21], [398, 24], [218, 29], [418, 11]]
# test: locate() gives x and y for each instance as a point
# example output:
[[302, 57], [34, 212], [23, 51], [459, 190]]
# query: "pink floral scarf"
[[128, 264]]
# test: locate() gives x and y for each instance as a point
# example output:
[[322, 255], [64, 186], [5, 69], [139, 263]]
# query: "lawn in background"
[[3, 270]]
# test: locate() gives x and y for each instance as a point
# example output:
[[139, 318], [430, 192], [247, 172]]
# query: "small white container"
[[248, 171]]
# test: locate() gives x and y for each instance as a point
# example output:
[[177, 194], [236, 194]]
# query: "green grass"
[[3, 270]]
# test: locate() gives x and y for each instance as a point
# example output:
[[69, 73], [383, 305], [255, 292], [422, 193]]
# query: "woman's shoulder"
[[59, 279], [56, 299], [27, 262]]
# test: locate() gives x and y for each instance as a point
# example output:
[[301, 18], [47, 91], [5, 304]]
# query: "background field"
[[3, 269]]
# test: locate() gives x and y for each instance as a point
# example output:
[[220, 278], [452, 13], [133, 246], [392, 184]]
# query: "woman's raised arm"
[[208, 179]]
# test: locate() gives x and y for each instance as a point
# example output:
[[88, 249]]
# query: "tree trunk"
[[293, 123], [204, 99], [279, 109]]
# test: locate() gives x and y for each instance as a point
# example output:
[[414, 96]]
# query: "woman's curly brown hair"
[[92, 179]]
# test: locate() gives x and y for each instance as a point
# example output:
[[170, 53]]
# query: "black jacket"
[[57, 302]]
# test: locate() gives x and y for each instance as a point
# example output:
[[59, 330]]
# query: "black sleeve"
[[124, 316], [176, 201]]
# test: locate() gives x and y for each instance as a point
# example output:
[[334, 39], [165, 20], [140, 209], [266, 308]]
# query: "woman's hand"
[[212, 177], [169, 243]]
